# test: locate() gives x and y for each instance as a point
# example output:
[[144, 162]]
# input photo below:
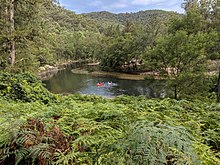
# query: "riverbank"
[[141, 76], [48, 71]]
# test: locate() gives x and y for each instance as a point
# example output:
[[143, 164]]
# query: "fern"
[[21, 154], [147, 143], [127, 130]]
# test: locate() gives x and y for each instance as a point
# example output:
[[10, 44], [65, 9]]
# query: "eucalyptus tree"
[[181, 57], [182, 54], [7, 29], [209, 13], [200, 15], [20, 26], [146, 35], [117, 52]]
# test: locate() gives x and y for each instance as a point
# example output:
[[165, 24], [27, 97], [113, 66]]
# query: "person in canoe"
[[100, 84], [109, 83]]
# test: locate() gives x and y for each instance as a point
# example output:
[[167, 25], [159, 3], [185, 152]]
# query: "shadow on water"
[[66, 82]]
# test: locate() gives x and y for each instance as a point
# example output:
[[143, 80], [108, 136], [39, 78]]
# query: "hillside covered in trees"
[[52, 33], [57, 34], [141, 17]]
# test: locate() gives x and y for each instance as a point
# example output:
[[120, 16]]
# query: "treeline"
[[141, 17], [34, 34], [37, 33]]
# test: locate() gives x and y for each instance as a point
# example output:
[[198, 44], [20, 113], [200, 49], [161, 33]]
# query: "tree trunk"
[[175, 92], [218, 86], [11, 32]]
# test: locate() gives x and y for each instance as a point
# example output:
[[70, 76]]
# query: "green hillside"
[[69, 20], [141, 17]]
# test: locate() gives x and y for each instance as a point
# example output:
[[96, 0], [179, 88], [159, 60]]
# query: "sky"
[[121, 6]]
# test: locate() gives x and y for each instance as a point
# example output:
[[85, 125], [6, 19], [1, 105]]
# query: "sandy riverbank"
[[142, 76]]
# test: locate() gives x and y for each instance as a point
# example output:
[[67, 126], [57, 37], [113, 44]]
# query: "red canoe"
[[100, 84]]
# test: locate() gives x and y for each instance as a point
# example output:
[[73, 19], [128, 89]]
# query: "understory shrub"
[[24, 87]]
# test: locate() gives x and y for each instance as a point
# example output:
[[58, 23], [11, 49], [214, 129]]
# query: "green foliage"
[[56, 35], [117, 53], [141, 17], [92, 130], [126, 130], [23, 87], [182, 57], [151, 143], [28, 37]]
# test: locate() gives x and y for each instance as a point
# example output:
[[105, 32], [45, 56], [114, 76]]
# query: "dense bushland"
[[44, 33], [37, 127], [23, 87], [78, 129]]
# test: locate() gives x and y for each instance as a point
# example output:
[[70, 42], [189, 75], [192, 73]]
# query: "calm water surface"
[[66, 82]]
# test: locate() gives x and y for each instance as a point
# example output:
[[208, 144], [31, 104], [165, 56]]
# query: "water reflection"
[[67, 82]]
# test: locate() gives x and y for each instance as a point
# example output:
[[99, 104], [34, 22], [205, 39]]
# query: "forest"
[[39, 127]]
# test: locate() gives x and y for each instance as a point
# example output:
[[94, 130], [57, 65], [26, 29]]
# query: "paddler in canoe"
[[100, 84]]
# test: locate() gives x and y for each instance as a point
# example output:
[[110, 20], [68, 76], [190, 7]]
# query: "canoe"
[[100, 84]]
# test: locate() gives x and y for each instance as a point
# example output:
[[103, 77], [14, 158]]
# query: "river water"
[[66, 82]]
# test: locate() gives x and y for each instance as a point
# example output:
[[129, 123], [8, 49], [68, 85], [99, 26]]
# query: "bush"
[[24, 87]]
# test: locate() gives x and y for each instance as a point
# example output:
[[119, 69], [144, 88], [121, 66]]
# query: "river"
[[66, 82]]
